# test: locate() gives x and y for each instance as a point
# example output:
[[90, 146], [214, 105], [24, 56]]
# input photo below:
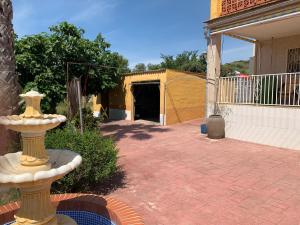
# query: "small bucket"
[[203, 128]]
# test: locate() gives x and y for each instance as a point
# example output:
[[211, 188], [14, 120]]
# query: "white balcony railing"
[[271, 89]]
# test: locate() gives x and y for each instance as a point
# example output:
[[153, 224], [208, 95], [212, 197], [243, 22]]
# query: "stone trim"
[[112, 209]]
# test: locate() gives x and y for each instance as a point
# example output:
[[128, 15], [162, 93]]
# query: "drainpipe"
[[207, 37]]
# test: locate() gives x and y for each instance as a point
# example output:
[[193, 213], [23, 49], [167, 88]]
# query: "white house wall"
[[272, 54], [274, 126]]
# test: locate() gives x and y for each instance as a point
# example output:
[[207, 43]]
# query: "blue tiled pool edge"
[[84, 218]]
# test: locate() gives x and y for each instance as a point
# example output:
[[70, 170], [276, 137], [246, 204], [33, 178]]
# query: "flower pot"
[[215, 127]]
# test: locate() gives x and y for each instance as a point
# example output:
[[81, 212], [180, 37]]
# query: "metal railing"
[[232, 6], [270, 89]]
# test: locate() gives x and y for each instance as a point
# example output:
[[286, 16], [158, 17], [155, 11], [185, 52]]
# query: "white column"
[[213, 70]]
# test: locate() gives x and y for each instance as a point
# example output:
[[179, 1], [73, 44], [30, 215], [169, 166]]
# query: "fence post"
[[79, 104]]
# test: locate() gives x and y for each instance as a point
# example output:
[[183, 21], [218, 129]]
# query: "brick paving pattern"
[[175, 176]]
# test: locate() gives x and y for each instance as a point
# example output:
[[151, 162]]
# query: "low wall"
[[119, 114], [275, 126]]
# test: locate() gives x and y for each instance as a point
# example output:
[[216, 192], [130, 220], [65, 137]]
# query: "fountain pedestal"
[[34, 152], [36, 207], [34, 169]]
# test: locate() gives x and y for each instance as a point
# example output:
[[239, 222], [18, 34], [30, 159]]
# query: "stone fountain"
[[34, 169]]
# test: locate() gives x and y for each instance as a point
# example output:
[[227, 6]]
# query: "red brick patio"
[[175, 176]]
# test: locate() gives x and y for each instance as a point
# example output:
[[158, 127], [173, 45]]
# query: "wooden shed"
[[162, 96]]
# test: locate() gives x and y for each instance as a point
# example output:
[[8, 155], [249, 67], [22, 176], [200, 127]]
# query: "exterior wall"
[[230, 7], [121, 99], [117, 102], [96, 106], [185, 97], [274, 126], [220, 8], [215, 9], [272, 54]]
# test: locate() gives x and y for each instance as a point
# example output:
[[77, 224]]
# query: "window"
[[293, 62]]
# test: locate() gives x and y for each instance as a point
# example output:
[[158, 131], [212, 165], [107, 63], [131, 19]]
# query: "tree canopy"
[[189, 61], [42, 63], [230, 69], [141, 67]]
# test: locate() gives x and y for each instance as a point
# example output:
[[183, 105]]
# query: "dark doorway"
[[146, 101]]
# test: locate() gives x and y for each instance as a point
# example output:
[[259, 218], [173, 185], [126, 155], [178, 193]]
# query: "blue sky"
[[140, 30]]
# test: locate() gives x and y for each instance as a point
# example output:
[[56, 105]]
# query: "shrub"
[[7, 196], [89, 121], [99, 156], [62, 108]]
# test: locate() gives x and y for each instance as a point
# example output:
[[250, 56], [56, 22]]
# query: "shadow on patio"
[[126, 129], [118, 180]]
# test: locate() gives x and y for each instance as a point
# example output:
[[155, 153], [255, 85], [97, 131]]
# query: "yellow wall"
[[96, 107], [185, 97], [215, 8], [117, 97]]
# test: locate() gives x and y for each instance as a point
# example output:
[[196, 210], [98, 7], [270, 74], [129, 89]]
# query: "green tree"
[[141, 67], [42, 63], [230, 69], [153, 66], [189, 61]]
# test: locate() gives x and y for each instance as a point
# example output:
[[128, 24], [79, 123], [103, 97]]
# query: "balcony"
[[261, 90], [234, 6]]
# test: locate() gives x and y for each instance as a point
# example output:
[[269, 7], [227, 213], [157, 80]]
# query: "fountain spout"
[[33, 102]]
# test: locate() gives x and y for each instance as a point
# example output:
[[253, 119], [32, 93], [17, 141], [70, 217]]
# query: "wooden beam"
[[241, 38]]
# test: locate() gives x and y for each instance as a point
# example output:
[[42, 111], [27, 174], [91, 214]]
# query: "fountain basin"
[[83, 218], [85, 209], [13, 174], [32, 125]]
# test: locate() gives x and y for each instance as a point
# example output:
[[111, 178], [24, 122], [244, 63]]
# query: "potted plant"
[[215, 122]]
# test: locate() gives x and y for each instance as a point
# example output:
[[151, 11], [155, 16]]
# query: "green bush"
[[99, 158], [7, 196], [62, 108], [89, 121]]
